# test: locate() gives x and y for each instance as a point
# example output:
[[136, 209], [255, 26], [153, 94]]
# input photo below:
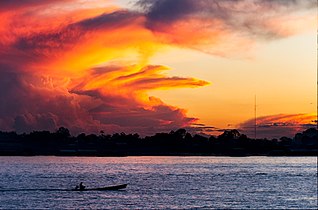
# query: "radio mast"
[[255, 122]]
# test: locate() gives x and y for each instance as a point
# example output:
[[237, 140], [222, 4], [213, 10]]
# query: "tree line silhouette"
[[179, 142]]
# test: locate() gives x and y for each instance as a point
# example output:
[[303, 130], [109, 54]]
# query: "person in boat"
[[80, 186]]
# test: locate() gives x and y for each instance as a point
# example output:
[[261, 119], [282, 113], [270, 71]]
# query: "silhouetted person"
[[80, 186]]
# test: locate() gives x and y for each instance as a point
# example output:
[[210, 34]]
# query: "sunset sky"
[[148, 66]]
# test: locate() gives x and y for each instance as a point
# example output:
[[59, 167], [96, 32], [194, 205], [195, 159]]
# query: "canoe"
[[114, 187]]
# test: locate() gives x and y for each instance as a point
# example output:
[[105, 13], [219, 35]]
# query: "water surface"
[[159, 182]]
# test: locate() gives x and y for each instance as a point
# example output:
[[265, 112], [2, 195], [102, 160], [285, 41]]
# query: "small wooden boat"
[[114, 187]]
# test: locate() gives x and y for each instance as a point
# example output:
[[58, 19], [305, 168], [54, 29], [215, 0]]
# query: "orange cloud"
[[87, 75]]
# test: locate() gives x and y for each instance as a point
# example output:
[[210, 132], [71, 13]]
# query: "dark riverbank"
[[175, 143]]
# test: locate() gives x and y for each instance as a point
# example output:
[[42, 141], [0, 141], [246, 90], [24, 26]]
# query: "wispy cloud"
[[276, 126]]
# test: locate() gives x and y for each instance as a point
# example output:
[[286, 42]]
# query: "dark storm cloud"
[[26, 105], [110, 20], [172, 10], [245, 16]]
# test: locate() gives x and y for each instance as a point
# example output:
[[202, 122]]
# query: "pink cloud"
[[276, 126]]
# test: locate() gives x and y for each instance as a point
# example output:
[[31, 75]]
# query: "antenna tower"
[[255, 122]]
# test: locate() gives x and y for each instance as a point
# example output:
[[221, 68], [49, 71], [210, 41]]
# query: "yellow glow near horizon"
[[282, 74]]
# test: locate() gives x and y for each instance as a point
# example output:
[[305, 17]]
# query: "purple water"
[[159, 182]]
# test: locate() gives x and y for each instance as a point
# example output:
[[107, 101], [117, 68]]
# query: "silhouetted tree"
[[63, 133], [231, 142], [229, 135]]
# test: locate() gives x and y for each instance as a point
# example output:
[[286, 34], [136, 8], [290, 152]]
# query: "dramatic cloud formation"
[[84, 65], [276, 126]]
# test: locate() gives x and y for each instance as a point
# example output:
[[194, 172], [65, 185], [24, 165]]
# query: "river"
[[40, 182]]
